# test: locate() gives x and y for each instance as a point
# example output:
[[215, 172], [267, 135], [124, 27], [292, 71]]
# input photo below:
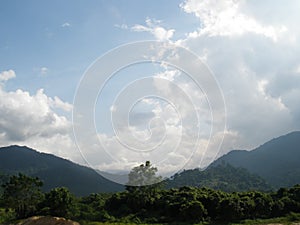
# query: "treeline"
[[222, 177], [21, 197]]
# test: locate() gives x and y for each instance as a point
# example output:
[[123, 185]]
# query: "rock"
[[47, 220]]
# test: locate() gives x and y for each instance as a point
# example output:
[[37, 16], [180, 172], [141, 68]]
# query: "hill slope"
[[54, 171], [277, 161], [220, 177]]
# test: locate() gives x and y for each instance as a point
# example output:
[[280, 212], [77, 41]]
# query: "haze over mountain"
[[273, 164], [54, 171], [277, 161]]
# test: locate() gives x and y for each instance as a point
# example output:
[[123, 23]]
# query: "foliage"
[[203, 204], [91, 208], [60, 202], [220, 177], [6, 215], [3, 179], [142, 189], [143, 176], [277, 161], [54, 171], [22, 194], [185, 205]]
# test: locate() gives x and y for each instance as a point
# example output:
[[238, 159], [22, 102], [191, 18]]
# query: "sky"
[[250, 51]]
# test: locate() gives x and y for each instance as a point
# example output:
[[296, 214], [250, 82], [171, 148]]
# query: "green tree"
[[143, 185], [192, 211], [3, 179], [143, 175], [92, 207], [230, 208], [263, 205], [22, 194], [143, 179], [182, 205], [60, 202]]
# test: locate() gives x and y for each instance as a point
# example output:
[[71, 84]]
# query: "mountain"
[[54, 171], [277, 161], [220, 177]]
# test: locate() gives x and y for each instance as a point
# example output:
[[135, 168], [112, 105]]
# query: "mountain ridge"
[[222, 177], [277, 161], [54, 171]]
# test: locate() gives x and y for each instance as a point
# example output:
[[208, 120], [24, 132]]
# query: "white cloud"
[[261, 85], [24, 115], [44, 71], [113, 108], [31, 120], [168, 74], [7, 75], [58, 103], [257, 67], [153, 27], [254, 55], [251, 48], [224, 18], [122, 26], [66, 24]]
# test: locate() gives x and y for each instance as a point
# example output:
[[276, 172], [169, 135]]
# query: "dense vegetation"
[[221, 193], [277, 161], [57, 172], [54, 171], [220, 177], [22, 197]]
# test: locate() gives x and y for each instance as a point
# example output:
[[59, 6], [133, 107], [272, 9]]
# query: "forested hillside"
[[272, 165], [54, 171], [277, 161], [220, 177]]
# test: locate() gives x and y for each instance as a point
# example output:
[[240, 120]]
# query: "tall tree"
[[60, 202], [143, 185], [143, 175], [22, 194]]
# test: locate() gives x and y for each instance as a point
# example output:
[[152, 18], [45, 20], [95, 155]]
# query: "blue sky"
[[66, 36], [251, 47]]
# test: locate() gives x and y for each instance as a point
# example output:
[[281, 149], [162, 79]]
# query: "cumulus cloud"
[[254, 58], [154, 27], [24, 115], [226, 19], [7, 75], [31, 120], [162, 128], [58, 103]]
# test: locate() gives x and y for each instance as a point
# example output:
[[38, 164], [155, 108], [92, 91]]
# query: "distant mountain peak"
[[277, 161], [54, 171]]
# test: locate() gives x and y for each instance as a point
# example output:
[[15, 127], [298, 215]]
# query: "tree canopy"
[[23, 194], [143, 175]]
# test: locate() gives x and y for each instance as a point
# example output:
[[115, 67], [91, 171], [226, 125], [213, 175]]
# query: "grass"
[[290, 219]]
